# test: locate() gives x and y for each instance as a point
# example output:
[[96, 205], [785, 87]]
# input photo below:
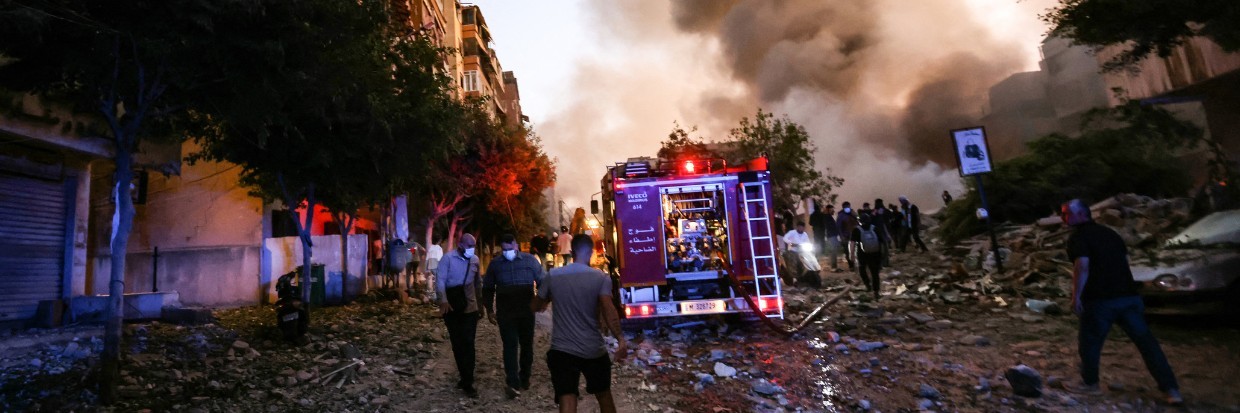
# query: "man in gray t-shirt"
[[581, 295]]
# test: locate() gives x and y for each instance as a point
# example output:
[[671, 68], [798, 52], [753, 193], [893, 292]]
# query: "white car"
[[1197, 270]]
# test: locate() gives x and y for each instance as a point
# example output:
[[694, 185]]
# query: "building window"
[[470, 81]]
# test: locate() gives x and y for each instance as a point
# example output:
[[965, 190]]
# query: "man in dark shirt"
[[830, 231], [1103, 293], [869, 257], [817, 220], [912, 225], [507, 292], [540, 246], [847, 220]]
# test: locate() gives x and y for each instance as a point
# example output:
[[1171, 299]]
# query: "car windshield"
[[1219, 228]]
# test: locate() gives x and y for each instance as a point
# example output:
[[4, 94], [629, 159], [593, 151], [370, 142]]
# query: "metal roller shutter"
[[32, 244]]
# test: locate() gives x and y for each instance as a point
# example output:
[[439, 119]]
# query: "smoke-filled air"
[[876, 83]]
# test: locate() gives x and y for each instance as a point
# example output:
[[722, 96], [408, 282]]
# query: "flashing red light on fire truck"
[[689, 167]]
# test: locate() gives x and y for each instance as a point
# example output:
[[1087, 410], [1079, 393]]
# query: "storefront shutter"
[[32, 244]]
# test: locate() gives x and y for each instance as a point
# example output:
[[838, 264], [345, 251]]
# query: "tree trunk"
[[430, 238], [452, 232], [122, 224], [306, 246], [345, 221]]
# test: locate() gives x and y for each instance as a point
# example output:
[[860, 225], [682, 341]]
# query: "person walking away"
[[458, 289], [540, 246], [582, 296], [1103, 293], [412, 275], [564, 244], [847, 220], [867, 247], [434, 254], [800, 249], [895, 225], [947, 198], [912, 224], [376, 257], [879, 219], [507, 291], [818, 221], [831, 231]]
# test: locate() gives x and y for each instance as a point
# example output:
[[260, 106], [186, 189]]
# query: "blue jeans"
[[1128, 312], [517, 333]]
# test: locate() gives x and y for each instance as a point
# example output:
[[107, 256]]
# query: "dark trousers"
[[870, 262], [517, 333], [845, 241], [915, 235], [1128, 312], [462, 328]]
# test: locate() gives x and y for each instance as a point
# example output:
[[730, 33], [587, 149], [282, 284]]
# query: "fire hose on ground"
[[786, 332]]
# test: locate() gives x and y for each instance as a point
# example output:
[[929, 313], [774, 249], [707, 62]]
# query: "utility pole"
[[561, 215], [973, 156]]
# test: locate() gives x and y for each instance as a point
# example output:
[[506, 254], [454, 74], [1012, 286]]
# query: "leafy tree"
[[791, 158], [496, 181], [1129, 148], [680, 144], [786, 145], [1145, 27]]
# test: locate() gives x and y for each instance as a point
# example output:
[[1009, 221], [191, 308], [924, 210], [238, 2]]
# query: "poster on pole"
[[972, 150]]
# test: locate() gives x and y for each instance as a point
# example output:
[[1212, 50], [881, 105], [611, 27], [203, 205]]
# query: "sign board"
[[972, 150], [639, 224]]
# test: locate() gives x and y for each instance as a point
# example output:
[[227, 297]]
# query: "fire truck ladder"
[[761, 243]]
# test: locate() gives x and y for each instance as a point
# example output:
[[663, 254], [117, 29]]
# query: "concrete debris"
[[765, 388], [1025, 381], [724, 370], [926, 391]]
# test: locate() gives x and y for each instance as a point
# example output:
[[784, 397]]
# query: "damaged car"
[[1197, 270]]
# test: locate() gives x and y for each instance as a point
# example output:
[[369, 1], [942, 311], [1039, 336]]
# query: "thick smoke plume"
[[877, 83]]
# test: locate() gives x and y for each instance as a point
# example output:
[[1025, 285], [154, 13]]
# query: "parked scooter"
[[291, 314]]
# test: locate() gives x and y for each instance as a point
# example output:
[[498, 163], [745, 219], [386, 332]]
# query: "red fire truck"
[[685, 234]]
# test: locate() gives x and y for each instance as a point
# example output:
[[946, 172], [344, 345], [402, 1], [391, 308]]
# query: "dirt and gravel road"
[[908, 351]]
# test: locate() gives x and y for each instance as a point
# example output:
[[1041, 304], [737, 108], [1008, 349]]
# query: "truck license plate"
[[703, 307]]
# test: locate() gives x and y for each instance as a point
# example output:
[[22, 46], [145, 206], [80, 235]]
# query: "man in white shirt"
[[800, 250], [564, 244], [434, 253]]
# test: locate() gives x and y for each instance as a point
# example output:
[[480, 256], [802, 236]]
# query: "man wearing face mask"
[[847, 220], [507, 292], [458, 287]]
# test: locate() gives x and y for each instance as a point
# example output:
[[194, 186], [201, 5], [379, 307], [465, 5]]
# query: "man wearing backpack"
[[866, 245]]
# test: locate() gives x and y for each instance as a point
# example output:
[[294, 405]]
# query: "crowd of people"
[[864, 238], [515, 285]]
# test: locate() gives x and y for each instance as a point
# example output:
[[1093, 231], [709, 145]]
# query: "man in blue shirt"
[[507, 292], [458, 287]]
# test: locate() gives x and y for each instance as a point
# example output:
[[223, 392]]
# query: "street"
[[958, 351]]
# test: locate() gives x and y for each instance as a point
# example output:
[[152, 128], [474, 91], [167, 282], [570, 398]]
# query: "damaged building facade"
[[199, 238], [1199, 82]]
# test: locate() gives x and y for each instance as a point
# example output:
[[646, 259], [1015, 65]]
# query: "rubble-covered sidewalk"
[[943, 337]]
